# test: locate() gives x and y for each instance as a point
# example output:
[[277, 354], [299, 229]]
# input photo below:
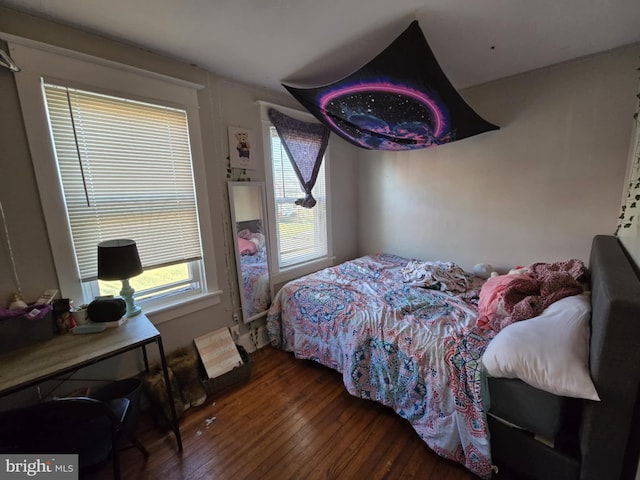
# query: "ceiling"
[[314, 42]]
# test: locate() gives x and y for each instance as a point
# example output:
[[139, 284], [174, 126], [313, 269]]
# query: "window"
[[125, 168], [301, 234], [117, 154]]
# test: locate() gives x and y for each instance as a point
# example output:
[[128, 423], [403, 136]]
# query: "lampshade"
[[118, 260]]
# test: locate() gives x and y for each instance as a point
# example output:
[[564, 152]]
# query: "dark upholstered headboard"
[[606, 427]]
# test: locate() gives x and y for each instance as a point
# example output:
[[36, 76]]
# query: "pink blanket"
[[526, 296], [490, 303]]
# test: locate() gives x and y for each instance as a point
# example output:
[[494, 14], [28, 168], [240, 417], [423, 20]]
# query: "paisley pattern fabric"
[[255, 282], [415, 350]]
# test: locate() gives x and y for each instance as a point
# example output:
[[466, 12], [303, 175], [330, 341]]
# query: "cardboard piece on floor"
[[218, 353]]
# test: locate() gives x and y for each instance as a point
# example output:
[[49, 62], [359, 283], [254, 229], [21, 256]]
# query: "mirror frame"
[[231, 186]]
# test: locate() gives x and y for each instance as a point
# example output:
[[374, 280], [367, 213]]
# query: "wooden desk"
[[65, 353]]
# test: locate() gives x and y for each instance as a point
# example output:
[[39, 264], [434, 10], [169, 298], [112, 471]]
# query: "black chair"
[[78, 425]]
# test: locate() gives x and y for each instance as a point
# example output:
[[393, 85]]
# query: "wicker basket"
[[238, 374]]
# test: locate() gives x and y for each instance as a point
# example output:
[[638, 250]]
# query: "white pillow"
[[549, 352]]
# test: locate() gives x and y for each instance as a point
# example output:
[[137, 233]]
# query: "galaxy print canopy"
[[400, 100]]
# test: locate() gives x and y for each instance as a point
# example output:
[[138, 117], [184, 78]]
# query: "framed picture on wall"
[[242, 151]]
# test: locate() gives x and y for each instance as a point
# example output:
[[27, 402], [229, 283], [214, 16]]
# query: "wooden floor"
[[292, 420]]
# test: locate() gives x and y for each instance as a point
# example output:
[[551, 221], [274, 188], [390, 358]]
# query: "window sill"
[[303, 269], [170, 311]]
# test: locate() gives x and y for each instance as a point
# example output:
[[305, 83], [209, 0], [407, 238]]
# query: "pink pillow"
[[490, 296], [246, 247]]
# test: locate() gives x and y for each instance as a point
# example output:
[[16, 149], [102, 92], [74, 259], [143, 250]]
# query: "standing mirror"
[[249, 221]]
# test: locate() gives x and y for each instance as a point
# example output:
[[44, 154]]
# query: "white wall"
[[538, 189]]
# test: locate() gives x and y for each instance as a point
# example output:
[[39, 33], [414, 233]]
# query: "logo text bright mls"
[[54, 467]]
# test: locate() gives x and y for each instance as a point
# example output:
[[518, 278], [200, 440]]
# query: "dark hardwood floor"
[[292, 420]]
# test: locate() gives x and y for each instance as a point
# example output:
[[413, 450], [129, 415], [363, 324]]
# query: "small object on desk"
[[89, 328], [62, 315], [115, 323], [17, 302], [104, 310], [119, 260], [32, 313], [46, 297], [80, 315]]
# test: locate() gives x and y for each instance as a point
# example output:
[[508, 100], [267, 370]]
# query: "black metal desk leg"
[[146, 359], [174, 419]]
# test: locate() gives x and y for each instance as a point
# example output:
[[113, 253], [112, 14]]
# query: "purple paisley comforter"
[[255, 282], [413, 349]]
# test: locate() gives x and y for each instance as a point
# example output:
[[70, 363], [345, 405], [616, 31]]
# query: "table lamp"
[[119, 260]]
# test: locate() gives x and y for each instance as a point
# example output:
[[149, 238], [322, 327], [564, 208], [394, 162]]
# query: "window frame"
[[280, 275], [39, 63]]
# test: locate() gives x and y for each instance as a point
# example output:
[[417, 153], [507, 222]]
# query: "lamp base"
[[127, 294]]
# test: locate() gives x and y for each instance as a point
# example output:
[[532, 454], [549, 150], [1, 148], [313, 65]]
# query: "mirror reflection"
[[246, 200]]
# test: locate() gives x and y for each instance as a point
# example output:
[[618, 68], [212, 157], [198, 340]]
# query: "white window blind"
[[301, 232], [126, 172]]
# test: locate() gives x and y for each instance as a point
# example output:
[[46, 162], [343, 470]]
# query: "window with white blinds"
[[301, 232], [126, 172]]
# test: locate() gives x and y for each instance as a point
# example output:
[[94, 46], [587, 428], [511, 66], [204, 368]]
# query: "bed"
[[254, 268], [424, 353]]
